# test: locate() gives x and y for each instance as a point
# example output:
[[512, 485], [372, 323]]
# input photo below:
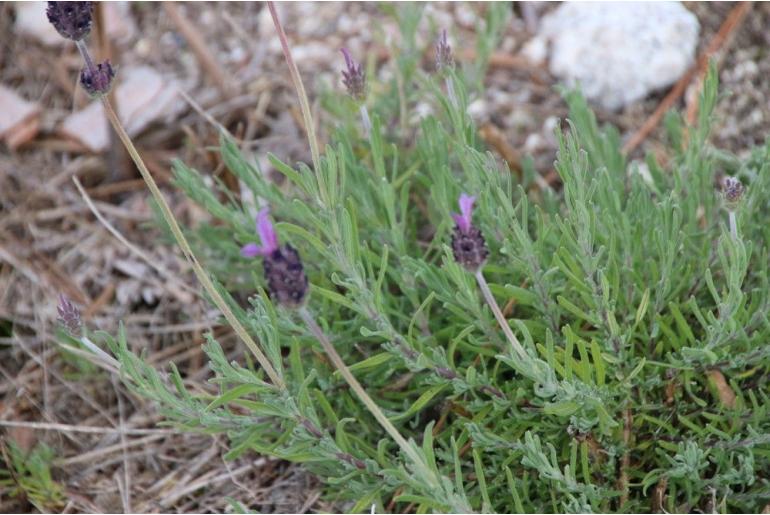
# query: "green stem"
[[86, 56], [487, 293], [200, 273], [733, 224], [340, 365], [304, 105]]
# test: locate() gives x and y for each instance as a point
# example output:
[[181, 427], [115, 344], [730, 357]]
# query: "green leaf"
[[421, 402], [235, 393]]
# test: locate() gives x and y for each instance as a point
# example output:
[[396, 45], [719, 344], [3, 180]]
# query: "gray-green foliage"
[[624, 286], [26, 475]]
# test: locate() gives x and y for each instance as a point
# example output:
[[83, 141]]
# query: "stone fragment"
[[20, 119], [619, 52]]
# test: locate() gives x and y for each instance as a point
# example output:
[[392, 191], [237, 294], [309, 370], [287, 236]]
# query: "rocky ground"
[[227, 59]]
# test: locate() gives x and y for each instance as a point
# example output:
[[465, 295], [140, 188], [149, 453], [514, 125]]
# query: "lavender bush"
[[632, 300]]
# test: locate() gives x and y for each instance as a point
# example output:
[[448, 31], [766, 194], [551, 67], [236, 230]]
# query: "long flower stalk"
[[386, 424], [366, 122], [733, 224], [200, 273], [304, 104], [490, 299]]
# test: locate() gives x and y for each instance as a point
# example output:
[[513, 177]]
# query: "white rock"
[[20, 119], [536, 50], [620, 52], [478, 109], [32, 21]]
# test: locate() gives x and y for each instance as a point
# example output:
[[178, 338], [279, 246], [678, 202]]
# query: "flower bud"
[[284, 273], [354, 77], [97, 80], [732, 188], [444, 57], [69, 316]]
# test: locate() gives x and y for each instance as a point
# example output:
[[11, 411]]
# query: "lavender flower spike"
[[69, 316], [267, 235], [284, 273], [71, 19], [732, 188], [444, 62], [354, 77], [468, 245], [444, 57]]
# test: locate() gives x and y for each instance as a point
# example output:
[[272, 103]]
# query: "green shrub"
[[643, 381]]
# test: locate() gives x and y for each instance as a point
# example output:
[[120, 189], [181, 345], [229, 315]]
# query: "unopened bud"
[[97, 80], [354, 77], [732, 188], [444, 57]]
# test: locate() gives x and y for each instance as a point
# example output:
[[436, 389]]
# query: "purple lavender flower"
[[69, 315], [71, 19], [97, 80], [284, 273], [444, 57], [354, 77], [468, 245]]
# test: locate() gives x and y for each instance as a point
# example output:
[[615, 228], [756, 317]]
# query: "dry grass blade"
[[84, 429], [199, 48]]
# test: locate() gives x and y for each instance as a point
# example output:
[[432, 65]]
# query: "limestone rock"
[[619, 52], [20, 119]]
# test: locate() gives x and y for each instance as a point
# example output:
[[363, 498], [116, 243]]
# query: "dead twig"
[[626, 460], [84, 429], [496, 139], [735, 19], [199, 47]]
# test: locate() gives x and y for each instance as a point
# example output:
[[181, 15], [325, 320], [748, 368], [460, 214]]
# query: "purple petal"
[[463, 220], [348, 60], [266, 231], [251, 250]]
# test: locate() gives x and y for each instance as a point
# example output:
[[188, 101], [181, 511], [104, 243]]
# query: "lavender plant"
[[631, 304]]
